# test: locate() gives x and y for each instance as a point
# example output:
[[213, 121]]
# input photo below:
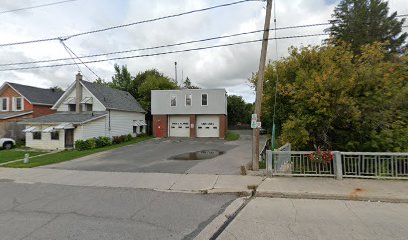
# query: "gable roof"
[[113, 98], [36, 95], [70, 117]]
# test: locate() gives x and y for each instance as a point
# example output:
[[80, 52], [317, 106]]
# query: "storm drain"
[[199, 155]]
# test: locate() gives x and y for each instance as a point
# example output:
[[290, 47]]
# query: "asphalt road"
[[154, 156], [48, 211], [284, 219]]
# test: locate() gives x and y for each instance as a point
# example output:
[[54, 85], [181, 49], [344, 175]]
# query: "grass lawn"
[[14, 154], [70, 154], [231, 136]]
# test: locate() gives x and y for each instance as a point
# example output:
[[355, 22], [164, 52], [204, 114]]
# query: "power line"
[[69, 49], [37, 6], [165, 53], [69, 52], [164, 46], [129, 24]]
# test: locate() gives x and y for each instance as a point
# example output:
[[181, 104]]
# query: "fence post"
[[268, 163], [338, 166]]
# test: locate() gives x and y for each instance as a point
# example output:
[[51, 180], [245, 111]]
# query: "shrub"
[[82, 145], [128, 138], [142, 135], [102, 142], [121, 139]]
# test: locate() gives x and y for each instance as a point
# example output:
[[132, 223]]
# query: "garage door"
[[208, 126], [179, 126]]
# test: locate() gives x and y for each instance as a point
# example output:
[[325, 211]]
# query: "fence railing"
[[344, 164]]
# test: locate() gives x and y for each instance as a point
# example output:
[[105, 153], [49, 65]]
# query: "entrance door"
[[69, 138]]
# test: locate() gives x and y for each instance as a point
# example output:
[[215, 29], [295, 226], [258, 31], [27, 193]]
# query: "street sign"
[[258, 124], [253, 124], [254, 117]]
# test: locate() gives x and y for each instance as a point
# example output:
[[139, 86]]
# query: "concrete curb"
[[329, 197], [219, 221]]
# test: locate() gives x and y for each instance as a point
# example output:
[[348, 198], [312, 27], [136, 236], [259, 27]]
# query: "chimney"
[[78, 92]]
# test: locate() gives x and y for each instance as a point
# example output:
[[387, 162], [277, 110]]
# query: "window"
[[37, 135], [4, 104], [204, 99], [87, 107], [173, 100], [134, 129], [71, 107], [18, 104], [188, 99], [55, 135]]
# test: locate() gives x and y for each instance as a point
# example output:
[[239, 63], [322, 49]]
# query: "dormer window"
[[4, 103], [87, 104], [72, 107], [18, 104]]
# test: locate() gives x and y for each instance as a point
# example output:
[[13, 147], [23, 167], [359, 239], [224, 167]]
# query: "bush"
[[82, 145], [142, 135], [121, 139], [102, 142], [128, 138]]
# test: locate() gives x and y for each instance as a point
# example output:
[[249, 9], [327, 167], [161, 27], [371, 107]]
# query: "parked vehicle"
[[7, 143], [262, 131]]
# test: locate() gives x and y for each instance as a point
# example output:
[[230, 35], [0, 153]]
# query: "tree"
[[56, 89], [187, 84], [153, 82], [123, 80], [330, 97], [360, 22], [238, 110]]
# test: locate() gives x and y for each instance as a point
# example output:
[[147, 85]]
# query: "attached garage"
[[179, 126], [208, 126]]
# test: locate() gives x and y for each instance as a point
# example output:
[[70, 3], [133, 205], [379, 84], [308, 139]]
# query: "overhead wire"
[[128, 24], [37, 6], [66, 49], [165, 53]]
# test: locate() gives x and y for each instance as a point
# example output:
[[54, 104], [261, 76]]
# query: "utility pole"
[[259, 86], [175, 72]]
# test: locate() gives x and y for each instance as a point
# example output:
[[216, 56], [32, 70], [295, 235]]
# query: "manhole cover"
[[199, 155]]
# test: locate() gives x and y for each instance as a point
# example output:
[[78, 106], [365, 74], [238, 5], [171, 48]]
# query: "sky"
[[227, 67]]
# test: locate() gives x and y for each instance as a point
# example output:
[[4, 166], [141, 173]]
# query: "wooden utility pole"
[[259, 86]]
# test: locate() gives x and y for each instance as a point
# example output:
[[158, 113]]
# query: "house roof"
[[113, 98], [37, 95], [8, 115], [66, 117]]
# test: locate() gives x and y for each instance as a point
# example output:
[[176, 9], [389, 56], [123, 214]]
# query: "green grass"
[[70, 154], [231, 136], [14, 154]]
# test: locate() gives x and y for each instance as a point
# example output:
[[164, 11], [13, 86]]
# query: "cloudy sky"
[[227, 67]]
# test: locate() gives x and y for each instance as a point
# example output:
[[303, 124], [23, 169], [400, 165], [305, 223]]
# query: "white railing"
[[344, 164]]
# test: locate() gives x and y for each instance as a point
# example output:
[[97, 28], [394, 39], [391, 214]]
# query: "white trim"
[[15, 104], [191, 100], [8, 84], [7, 104], [63, 96], [30, 129], [201, 99], [171, 96]]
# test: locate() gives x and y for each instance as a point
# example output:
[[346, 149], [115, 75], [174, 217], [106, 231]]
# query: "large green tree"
[[330, 97], [238, 110], [359, 22], [153, 82]]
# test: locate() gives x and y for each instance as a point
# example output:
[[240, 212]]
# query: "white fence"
[[344, 164]]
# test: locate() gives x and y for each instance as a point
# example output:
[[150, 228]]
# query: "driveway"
[[154, 156]]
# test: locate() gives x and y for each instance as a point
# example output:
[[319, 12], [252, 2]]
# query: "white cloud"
[[227, 67]]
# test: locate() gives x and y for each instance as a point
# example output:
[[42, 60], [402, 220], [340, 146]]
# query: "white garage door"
[[208, 126], [179, 126]]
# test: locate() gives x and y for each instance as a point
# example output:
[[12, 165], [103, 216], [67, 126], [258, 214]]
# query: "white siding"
[[45, 142], [85, 93], [121, 122], [96, 128]]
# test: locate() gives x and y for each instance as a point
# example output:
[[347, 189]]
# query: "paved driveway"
[[153, 156]]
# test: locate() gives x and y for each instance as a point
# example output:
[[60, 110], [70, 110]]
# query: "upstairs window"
[[173, 100], [188, 99], [204, 99], [72, 107], [18, 104], [4, 104], [87, 107]]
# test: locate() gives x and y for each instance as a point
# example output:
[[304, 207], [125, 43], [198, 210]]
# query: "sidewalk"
[[195, 183], [278, 187]]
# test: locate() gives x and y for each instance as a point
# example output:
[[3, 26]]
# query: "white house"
[[86, 110]]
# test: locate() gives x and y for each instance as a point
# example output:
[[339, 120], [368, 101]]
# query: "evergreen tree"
[[360, 22], [187, 84]]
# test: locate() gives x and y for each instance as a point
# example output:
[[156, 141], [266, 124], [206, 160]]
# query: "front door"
[[69, 138]]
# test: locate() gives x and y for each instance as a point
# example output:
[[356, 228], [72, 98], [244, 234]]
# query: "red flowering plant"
[[321, 156]]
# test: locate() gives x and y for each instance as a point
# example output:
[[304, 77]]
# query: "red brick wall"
[[40, 110], [10, 93], [162, 122], [223, 126], [193, 133]]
